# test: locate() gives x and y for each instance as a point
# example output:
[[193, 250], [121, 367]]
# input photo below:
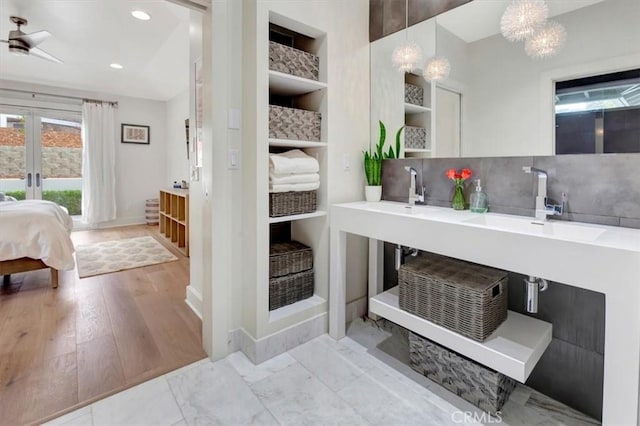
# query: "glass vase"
[[458, 202]]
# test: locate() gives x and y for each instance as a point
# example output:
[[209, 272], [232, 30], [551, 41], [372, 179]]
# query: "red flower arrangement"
[[459, 177], [458, 202]]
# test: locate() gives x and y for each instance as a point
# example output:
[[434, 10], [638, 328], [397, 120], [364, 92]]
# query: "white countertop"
[[610, 236]]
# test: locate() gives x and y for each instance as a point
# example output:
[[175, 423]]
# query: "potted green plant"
[[373, 163]]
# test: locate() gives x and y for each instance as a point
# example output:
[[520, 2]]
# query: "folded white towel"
[[294, 187], [294, 161], [293, 178]]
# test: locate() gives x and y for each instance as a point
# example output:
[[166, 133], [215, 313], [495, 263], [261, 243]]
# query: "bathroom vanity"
[[599, 258]]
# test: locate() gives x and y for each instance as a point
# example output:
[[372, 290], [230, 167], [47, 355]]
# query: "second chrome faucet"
[[413, 195], [543, 207]]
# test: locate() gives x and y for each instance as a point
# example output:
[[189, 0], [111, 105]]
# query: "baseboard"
[[261, 350], [194, 301], [356, 309], [123, 221]]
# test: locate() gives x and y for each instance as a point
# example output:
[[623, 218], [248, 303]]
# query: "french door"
[[41, 155]]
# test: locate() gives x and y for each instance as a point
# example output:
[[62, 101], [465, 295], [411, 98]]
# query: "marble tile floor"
[[322, 382]]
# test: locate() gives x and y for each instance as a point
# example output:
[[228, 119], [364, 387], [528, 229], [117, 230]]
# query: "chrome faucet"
[[543, 209], [413, 195]]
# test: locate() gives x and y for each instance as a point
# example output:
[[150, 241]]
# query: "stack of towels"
[[293, 171]]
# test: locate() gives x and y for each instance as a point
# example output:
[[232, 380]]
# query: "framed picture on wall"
[[133, 133]]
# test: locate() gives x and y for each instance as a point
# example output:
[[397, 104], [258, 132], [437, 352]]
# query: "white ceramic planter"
[[373, 193]]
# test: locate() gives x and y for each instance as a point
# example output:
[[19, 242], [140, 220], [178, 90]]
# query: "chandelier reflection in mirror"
[[523, 18], [407, 56], [436, 68], [547, 41]]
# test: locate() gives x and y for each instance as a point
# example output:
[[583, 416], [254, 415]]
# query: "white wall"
[[507, 111], [140, 169], [177, 163]]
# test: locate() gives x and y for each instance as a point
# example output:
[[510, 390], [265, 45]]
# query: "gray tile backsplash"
[[602, 189]]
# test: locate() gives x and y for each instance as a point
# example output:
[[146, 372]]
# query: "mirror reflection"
[[499, 101]]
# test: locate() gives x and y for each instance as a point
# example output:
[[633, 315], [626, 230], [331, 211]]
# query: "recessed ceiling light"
[[116, 66], [141, 15]]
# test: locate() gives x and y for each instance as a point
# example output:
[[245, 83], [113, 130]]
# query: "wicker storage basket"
[[289, 257], [152, 211], [292, 123], [413, 94], [293, 61], [290, 289], [415, 137], [464, 297], [288, 203], [483, 387]]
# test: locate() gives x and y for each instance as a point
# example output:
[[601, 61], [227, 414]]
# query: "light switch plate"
[[233, 159], [346, 162], [234, 118]]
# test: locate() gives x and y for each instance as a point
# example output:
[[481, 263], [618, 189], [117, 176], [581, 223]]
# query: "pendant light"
[[407, 56], [437, 67], [547, 41], [523, 18]]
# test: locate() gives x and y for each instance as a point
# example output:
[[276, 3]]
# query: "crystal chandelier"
[[523, 18], [547, 41], [436, 68], [407, 56]]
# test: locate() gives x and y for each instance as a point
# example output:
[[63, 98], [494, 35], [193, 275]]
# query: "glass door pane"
[[13, 155], [61, 162]]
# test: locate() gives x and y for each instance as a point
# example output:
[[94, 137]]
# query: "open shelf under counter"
[[294, 308], [290, 85], [317, 213], [288, 143], [415, 109], [513, 349]]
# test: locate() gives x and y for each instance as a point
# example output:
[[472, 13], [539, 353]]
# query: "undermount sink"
[[562, 230]]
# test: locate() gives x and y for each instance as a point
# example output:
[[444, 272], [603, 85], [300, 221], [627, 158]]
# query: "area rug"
[[118, 255]]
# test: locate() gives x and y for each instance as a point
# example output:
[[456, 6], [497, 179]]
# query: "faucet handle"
[[421, 195]]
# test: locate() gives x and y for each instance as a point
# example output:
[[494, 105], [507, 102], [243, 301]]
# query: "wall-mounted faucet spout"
[[543, 208], [413, 195]]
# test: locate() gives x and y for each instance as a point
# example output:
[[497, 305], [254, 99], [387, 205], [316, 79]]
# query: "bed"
[[35, 234]]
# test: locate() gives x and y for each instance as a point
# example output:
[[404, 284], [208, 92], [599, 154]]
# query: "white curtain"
[[98, 162]]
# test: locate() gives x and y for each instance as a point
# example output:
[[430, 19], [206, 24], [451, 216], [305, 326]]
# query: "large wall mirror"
[[497, 101]]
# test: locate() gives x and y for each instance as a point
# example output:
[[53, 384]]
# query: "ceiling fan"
[[25, 44]]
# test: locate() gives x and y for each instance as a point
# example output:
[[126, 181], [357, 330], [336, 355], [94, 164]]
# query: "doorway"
[[448, 122], [41, 156]]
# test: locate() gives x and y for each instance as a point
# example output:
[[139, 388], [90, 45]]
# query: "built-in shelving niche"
[[310, 229], [419, 115]]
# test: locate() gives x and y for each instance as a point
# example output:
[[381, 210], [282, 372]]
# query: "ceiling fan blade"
[[4, 41], [35, 51], [34, 39]]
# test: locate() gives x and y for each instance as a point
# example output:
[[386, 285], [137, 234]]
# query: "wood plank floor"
[[91, 337]]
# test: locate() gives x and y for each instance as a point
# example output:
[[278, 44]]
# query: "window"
[[599, 114]]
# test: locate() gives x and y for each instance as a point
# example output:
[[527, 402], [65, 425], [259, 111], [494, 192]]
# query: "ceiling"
[[88, 35], [479, 19]]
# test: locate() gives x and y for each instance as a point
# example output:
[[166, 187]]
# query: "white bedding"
[[37, 229]]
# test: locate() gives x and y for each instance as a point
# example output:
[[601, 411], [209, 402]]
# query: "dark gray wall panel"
[[389, 16]]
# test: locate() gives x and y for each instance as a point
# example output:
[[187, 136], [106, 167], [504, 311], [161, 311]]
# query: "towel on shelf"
[[294, 187], [294, 161], [293, 178]]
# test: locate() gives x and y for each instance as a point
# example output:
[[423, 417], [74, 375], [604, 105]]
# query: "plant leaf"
[[398, 141]]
